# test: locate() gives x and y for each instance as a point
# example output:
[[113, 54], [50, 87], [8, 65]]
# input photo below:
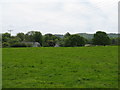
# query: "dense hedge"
[[5, 44], [21, 45]]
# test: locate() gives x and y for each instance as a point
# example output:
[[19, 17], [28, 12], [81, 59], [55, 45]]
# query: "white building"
[[34, 44]]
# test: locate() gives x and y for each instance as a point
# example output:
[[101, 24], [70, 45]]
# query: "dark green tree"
[[14, 40], [74, 40], [37, 36], [21, 36], [117, 41], [67, 35], [5, 37], [29, 36], [34, 36], [101, 38], [5, 44], [50, 40]]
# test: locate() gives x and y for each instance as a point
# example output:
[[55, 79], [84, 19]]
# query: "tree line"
[[50, 40]]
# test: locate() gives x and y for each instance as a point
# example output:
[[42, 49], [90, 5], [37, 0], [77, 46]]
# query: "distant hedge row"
[[50, 40], [5, 44]]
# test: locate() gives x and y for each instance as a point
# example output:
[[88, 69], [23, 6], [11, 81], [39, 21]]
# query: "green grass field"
[[60, 67]]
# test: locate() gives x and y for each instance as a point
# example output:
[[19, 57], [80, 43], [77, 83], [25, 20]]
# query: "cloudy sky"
[[59, 16]]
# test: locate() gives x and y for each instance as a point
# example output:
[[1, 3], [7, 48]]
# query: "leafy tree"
[[50, 40], [37, 36], [21, 36], [14, 40], [67, 35], [101, 38], [5, 37], [74, 40], [29, 36], [60, 42], [65, 40], [89, 41], [113, 41], [118, 41], [5, 44], [34, 36]]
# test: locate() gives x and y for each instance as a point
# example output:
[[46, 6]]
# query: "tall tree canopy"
[[101, 38], [74, 40], [37, 37], [21, 36], [67, 35], [5, 37], [50, 40], [34, 36]]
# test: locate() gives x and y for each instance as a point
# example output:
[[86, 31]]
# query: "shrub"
[[21, 45], [5, 44]]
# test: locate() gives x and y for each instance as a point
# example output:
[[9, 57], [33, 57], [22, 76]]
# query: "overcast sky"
[[59, 16]]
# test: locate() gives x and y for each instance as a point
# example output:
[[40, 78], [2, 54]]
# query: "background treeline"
[[67, 40]]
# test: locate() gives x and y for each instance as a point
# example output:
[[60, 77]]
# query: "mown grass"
[[60, 67]]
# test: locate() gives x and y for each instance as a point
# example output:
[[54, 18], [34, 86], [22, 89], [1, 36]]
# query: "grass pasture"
[[60, 67]]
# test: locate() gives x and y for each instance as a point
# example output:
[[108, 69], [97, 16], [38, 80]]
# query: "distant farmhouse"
[[34, 44], [88, 45], [56, 45]]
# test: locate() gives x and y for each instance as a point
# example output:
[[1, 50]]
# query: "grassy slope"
[[78, 67]]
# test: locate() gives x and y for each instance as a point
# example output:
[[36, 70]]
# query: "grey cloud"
[[58, 16]]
